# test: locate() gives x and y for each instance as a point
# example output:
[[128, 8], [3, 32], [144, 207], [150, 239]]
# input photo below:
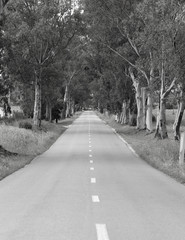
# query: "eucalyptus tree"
[[142, 34], [180, 88], [123, 37], [42, 30]]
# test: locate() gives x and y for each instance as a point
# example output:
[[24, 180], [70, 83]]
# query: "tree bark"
[[72, 107], [68, 105], [125, 111], [161, 130], [47, 110], [37, 104], [179, 115], [143, 116], [149, 126], [138, 97], [149, 108]]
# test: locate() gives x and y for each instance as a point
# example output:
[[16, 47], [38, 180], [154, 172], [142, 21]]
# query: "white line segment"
[[95, 199], [101, 231], [91, 161], [92, 169], [93, 180]]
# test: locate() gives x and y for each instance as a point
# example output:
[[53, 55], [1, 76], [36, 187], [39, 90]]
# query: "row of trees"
[[122, 55], [137, 58], [40, 51]]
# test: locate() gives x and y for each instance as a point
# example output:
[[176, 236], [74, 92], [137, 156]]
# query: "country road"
[[90, 186]]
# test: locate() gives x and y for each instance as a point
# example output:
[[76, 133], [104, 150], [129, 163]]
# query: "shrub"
[[26, 125]]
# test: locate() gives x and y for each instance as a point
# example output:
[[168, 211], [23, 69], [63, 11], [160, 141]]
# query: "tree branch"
[[126, 60], [129, 40], [167, 92]]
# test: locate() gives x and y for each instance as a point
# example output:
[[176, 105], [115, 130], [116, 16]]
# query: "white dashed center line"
[[91, 161], [90, 156], [90, 150], [92, 169], [95, 199], [101, 231], [93, 180]]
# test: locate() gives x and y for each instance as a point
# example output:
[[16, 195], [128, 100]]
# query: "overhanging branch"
[[130, 63]]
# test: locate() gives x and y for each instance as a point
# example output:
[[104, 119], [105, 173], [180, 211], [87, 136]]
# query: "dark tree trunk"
[[161, 130], [48, 111], [37, 104], [178, 119]]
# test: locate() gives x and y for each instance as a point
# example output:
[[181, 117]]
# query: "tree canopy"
[[121, 56]]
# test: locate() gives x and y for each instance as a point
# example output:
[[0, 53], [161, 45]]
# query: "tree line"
[[41, 44], [126, 56], [138, 58]]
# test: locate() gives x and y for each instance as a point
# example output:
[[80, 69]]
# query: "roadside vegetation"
[[161, 154], [19, 146]]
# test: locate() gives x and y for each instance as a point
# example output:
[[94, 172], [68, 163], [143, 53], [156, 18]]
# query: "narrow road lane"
[[90, 186]]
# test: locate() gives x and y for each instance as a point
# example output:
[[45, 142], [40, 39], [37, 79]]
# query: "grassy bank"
[[161, 154], [24, 145]]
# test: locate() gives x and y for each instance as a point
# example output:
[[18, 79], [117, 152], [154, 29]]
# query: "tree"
[[43, 30], [142, 34]]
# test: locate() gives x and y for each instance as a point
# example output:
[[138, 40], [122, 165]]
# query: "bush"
[[26, 125]]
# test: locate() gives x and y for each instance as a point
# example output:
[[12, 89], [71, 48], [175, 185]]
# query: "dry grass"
[[161, 154], [27, 143]]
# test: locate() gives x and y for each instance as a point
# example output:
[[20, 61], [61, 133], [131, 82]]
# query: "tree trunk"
[[139, 93], [125, 111], [50, 114], [139, 105], [149, 126], [37, 104], [143, 114], [67, 109], [121, 117], [72, 107], [47, 110], [179, 115], [161, 130]]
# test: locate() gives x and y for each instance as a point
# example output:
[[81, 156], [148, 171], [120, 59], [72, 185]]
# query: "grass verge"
[[27, 144], [161, 154]]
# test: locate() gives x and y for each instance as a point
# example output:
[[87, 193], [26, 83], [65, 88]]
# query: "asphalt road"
[[90, 186]]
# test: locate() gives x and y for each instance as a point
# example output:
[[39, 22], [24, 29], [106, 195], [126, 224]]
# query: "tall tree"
[[44, 29]]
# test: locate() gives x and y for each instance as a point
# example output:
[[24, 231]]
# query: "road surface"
[[90, 186]]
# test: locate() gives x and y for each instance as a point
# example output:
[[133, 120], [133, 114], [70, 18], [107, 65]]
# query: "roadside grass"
[[27, 144], [161, 154]]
